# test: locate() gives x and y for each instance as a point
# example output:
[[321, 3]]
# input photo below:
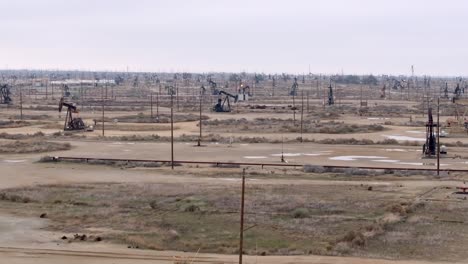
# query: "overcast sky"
[[353, 36]]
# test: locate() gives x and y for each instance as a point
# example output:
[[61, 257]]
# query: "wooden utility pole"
[[438, 137], [200, 123], [21, 103], [241, 237], [308, 102], [151, 107], [318, 89], [102, 97], [177, 97], [302, 112], [172, 130], [157, 106], [294, 109]]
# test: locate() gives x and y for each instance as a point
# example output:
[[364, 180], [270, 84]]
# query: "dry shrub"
[[300, 213], [355, 238], [342, 248], [14, 198]]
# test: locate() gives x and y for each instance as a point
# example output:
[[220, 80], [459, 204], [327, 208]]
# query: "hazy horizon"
[[333, 37]]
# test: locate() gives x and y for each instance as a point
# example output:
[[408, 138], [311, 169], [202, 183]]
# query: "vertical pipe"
[[241, 237], [308, 102], [172, 130]]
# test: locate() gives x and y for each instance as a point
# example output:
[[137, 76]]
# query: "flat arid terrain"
[[342, 183]]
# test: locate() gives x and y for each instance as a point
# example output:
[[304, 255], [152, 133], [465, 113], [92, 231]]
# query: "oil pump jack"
[[72, 123], [457, 93], [5, 93], [224, 105], [429, 148]]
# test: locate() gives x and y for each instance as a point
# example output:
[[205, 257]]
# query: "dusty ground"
[[435, 233]]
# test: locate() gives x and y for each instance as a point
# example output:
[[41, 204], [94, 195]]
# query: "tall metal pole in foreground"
[[302, 112], [200, 123], [294, 109], [102, 97], [172, 130], [157, 106], [438, 138], [241, 238]]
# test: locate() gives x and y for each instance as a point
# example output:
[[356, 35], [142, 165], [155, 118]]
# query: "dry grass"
[[290, 219], [14, 124], [32, 146], [162, 118], [276, 125]]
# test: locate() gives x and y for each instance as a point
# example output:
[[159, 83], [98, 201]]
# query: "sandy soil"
[[24, 240]]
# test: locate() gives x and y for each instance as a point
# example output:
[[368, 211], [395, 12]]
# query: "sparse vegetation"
[[33, 146], [287, 219], [276, 125]]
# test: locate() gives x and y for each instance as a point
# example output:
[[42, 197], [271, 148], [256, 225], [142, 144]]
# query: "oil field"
[[359, 166], [190, 132]]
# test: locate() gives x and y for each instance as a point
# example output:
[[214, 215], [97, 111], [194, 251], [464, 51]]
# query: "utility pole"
[[308, 102], [200, 123], [157, 107], [294, 109], [241, 237], [438, 137], [172, 130], [21, 103], [177, 97], [302, 112], [151, 107], [102, 97]]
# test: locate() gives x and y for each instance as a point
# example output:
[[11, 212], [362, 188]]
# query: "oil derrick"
[[429, 148], [5, 93], [446, 91], [294, 87], [331, 101]]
